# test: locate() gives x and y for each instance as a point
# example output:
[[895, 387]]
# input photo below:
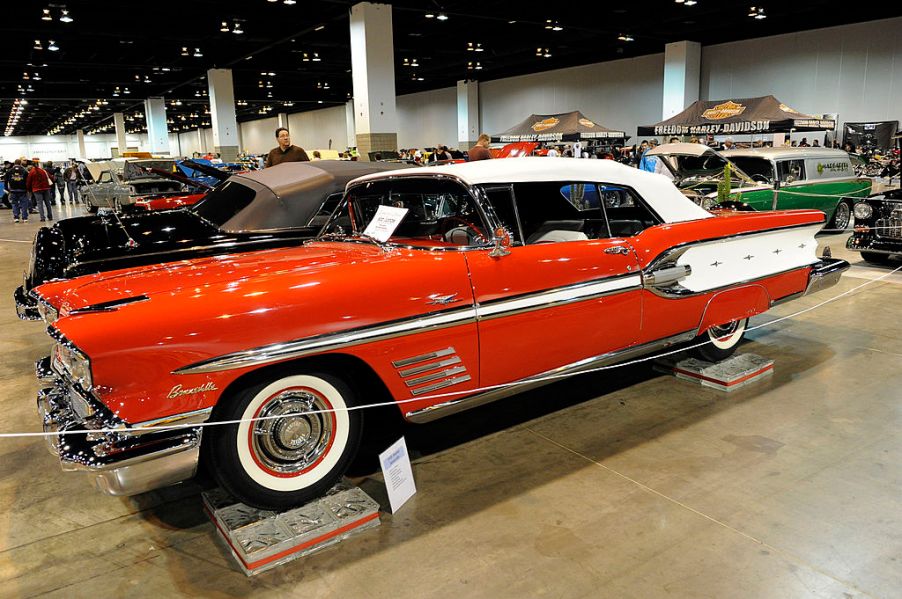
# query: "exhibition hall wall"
[[63, 147], [852, 70]]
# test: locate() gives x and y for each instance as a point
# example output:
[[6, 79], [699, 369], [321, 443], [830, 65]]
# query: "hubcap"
[[842, 216], [288, 438], [721, 333]]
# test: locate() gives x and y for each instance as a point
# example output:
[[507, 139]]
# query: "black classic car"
[[878, 227], [275, 207]]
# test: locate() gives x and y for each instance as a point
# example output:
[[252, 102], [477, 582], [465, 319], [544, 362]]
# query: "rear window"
[[224, 202]]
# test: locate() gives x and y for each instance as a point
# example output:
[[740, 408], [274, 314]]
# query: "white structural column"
[[222, 109], [373, 74], [349, 122], [682, 73], [80, 138], [119, 125], [282, 120], [157, 129], [201, 146], [467, 114]]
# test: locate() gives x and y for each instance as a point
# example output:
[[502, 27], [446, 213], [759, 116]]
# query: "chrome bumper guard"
[[26, 306], [825, 273], [122, 462]]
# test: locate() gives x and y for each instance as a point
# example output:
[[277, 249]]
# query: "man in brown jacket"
[[481, 150], [285, 152]]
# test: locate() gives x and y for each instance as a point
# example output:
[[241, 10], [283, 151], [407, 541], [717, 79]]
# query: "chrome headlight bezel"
[[48, 313], [862, 211], [71, 362]]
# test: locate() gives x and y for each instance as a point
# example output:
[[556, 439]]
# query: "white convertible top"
[[663, 197]]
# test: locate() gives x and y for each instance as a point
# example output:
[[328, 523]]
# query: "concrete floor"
[[625, 483]]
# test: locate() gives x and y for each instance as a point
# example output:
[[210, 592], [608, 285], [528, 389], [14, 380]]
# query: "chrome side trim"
[[323, 343], [422, 358], [465, 403], [196, 248], [441, 385], [435, 376], [430, 366], [195, 417], [551, 298], [110, 306]]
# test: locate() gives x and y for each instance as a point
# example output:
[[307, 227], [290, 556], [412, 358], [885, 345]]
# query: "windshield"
[[439, 213], [753, 165], [134, 169]]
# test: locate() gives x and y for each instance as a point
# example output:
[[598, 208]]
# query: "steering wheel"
[[758, 177], [452, 228]]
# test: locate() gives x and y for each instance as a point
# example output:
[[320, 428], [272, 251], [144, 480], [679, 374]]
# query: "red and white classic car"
[[566, 264]]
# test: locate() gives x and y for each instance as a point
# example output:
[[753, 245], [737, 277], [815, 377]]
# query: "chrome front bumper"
[[26, 306], [121, 462]]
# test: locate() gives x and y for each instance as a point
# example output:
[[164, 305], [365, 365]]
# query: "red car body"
[[168, 202], [439, 325]]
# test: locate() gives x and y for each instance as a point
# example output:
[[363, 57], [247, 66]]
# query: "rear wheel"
[[875, 257], [300, 441], [722, 341]]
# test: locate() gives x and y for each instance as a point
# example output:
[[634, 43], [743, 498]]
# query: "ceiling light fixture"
[[320, 28], [37, 45], [51, 45], [441, 17], [757, 12], [224, 27], [543, 52], [46, 16], [184, 51], [65, 17], [625, 37], [197, 53], [236, 27]]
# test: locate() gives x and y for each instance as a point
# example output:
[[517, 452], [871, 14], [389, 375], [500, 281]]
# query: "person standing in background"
[[71, 177], [285, 152], [481, 150], [38, 183], [16, 184]]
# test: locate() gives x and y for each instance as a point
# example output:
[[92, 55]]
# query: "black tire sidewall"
[[711, 353], [221, 448]]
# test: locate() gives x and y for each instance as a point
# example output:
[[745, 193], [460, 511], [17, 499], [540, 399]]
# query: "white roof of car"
[[681, 149], [783, 153], [657, 190]]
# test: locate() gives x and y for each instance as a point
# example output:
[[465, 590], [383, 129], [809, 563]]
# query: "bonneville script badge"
[[178, 391]]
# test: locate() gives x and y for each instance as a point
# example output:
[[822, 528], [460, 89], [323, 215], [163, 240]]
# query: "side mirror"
[[502, 241]]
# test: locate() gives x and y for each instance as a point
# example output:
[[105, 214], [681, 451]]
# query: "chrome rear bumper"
[[121, 462], [825, 273], [26, 306]]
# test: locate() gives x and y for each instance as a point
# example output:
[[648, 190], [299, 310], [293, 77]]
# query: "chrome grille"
[[434, 370], [890, 227]]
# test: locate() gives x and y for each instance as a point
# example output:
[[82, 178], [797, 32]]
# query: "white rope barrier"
[[549, 378]]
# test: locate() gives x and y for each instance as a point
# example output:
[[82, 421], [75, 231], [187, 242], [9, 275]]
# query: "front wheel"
[[720, 342], [842, 217], [875, 257], [296, 438]]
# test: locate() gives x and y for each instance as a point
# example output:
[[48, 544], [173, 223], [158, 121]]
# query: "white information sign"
[[384, 223], [397, 473]]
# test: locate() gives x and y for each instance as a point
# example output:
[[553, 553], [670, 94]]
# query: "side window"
[[627, 214], [105, 177], [559, 211], [791, 170]]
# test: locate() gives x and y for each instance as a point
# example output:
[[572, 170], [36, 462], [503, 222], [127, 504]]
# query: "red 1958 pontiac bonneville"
[[570, 264]]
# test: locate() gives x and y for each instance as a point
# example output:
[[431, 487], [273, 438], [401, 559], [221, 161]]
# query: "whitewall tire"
[[295, 439], [720, 342]]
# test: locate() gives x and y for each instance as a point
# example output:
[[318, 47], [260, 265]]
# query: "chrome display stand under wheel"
[[261, 539]]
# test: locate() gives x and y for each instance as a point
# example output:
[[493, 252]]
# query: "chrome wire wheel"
[[842, 217], [294, 431]]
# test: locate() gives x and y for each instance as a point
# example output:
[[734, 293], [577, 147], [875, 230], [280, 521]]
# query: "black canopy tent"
[[740, 116], [565, 126]]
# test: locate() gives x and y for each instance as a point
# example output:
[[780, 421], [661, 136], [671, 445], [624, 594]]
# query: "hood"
[[688, 161], [250, 274]]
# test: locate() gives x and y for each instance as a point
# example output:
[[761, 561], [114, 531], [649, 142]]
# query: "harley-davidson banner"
[[739, 115], [566, 126]]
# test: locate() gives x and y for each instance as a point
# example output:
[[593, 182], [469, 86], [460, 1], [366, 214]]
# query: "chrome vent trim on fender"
[[451, 369]]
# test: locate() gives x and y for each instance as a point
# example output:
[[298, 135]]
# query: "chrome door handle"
[[617, 249]]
